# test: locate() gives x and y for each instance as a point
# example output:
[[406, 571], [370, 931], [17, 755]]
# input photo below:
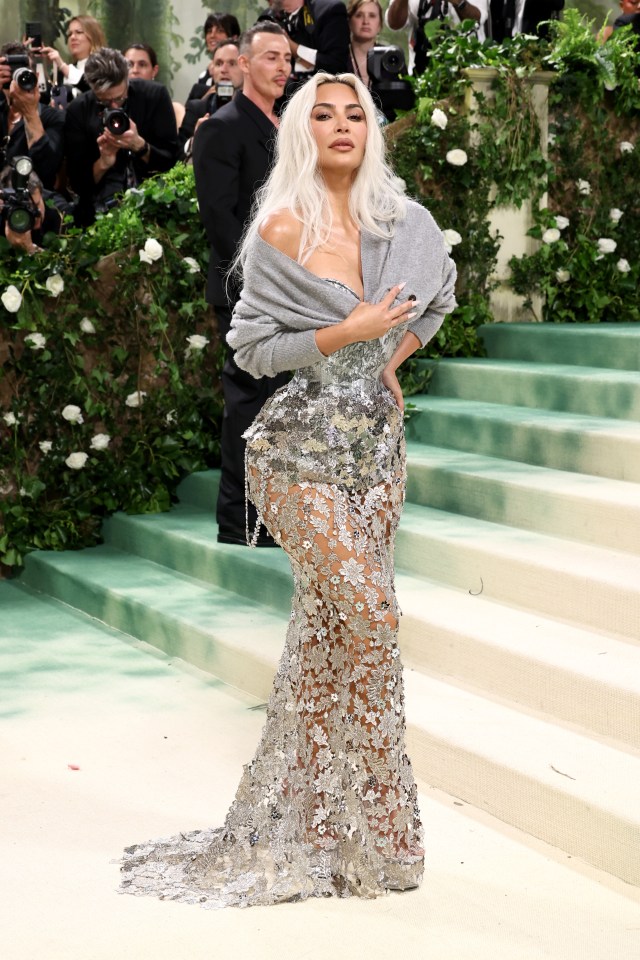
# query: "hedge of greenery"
[[109, 371], [108, 356]]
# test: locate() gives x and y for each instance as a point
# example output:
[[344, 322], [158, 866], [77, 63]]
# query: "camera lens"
[[26, 78], [116, 121], [20, 220], [392, 62]]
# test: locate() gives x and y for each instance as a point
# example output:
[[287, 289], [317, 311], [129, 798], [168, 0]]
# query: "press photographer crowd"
[[75, 135]]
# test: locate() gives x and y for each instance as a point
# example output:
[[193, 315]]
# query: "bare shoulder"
[[283, 231]]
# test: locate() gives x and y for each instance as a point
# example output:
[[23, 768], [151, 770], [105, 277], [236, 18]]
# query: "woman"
[[328, 805], [84, 36], [365, 23], [143, 65]]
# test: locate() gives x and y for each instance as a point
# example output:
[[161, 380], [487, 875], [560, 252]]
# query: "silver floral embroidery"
[[328, 805]]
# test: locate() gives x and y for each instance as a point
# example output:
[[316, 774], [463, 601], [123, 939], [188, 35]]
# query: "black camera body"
[[18, 209], [385, 65], [23, 75], [115, 120]]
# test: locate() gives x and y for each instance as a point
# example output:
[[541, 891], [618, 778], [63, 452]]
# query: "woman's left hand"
[[390, 381]]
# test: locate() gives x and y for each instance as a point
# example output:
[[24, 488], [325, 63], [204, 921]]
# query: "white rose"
[[605, 245], [72, 413], [11, 299], [623, 265], [45, 446], [135, 399], [562, 223], [615, 215], [192, 265], [55, 284], [197, 342], [10, 419], [100, 441], [610, 84], [439, 118], [86, 325], [584, 187], [170, 417], [551, 235], [562, 276], [457, 158], [144, 257], [626, 147], [35, 340], [77, 460], [153, 249], [452, 237]]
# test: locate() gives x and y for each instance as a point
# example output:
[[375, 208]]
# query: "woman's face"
[[140, 65], [366, 23], [339, 126], [78, 42]]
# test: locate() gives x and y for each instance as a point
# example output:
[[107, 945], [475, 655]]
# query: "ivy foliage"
[[99, 347]]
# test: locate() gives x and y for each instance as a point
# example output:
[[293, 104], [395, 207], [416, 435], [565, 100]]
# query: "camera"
[[115, 120], [33, 30], [23, 75], [224, 93], [384, 66], [18, 210]]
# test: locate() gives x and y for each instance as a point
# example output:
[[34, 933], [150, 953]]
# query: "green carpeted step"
[[615, 345], [201, 490], [563, 441], [597, 510], [546, 386]]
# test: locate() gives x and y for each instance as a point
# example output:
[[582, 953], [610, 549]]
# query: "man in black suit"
[[318, 32], [232, 154], [103, 162], [227, 78], [509, 17]]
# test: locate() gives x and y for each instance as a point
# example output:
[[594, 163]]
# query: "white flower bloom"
[[197, 342], [11, 299], [623, 265], [135, 399], [452, 237], [584, 187], [10, 419], [551, 235], [144, 257], [100, 441], [626, 147], [615, 215], [72, 413], [35, 340], [24, 493], [153, 249], [457, 158], [551, 139], [170, 417], [45, 446], [562, 276], [610, 85], [562, 223], [86, 325], [439, 118], [76, 461], [192, 265], [605, 245], [55, 284]]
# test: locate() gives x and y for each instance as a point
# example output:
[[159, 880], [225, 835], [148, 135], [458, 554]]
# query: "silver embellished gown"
[[328, 805]]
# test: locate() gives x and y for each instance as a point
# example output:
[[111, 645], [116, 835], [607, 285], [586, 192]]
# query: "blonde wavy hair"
[[296, 184]]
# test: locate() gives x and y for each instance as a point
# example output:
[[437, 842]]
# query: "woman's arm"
[[407, 346]]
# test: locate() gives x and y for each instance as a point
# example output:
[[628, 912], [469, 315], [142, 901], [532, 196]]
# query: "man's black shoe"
[[229, 536]]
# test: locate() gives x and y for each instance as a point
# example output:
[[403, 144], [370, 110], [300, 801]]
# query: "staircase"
[[518, 574]]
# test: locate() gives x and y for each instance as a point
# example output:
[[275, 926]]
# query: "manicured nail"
[[402, 285], [410, 316]]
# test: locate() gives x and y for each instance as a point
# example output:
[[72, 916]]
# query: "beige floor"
[[159, 747]]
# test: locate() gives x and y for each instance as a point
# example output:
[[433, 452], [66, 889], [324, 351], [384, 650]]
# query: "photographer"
[[510, 17], [116, 134], [318, 32], [227, 78], [27, 127], [414, 14], [22, 198]]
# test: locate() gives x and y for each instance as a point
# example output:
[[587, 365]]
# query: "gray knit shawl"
[[282, 303]]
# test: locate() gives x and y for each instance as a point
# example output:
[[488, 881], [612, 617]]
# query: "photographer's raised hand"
[[26, 103], [109, 145]]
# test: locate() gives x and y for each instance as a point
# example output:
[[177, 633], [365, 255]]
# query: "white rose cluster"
[[152, 251], [562, 222], [136, 398], [196, 343], [623, 265], [11, 299], [77, 460], [439, 118], [192, 265], [36, 341], [457, 157], [55, 284], [72, 413], [87, 326], [552, 235], [606, 245], [615, 215], [100, 441]]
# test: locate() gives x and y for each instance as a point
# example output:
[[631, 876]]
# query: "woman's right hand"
[[52, 55], [369, 321]]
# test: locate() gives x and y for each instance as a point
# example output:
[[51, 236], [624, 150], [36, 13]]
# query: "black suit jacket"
[[535, 12], [46, 153], [232, 155], [149, 106], [329, 34]]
